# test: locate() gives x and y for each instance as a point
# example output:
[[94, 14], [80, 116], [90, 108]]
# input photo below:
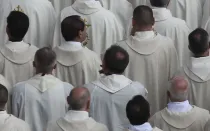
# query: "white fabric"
[[61, 4], [37, 104], [207, 127], [124, 14], [17, 66], [77, 67], [71, 46], [15, 46], [11, 123], [42, 20], [193, 120], [73, 115], [136, 3], [189, 10], [176, 29], [153, 62], [144, 127], [103, 30], [179, 106], [207, 26], [145, 35], [109, 98], [206, 12]]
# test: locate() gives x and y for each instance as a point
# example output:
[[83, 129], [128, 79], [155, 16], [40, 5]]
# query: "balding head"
[[178, 89], [3, 96], [79, 99]]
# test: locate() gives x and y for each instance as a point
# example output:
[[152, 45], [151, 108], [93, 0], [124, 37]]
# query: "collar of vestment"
[[70, 58], [44, 83], [19, 57], [161, 14], [15, 46], [198, 69], [73, 115], [179, 106], [86, 124], [87, 7], [180, 120], [112, 83], [4, 117], [144, 45], [71, 46], [144, 127]]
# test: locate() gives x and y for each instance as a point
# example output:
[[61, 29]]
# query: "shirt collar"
[[179, 106], [144, 127], [144, 35], [73, 115], [161, 14], [71, 46], [15, 46]]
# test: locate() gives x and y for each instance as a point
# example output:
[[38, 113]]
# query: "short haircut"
[[143, 16], [3, 96], [71, 26], [18, 24], [116, 59], [45, 59], [138, 110], [78, 102], [159, 3], [199, 41]]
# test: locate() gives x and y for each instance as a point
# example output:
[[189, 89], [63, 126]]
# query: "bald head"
[[159, 3], [79, 99], [178, 90]]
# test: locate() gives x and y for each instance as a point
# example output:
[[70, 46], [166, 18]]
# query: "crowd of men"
[[104, 65]]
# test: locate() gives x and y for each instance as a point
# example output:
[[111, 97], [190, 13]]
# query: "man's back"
[[103, 27], [42, 20], [109, 96], [35, 102], [77, 67], [153, 61]]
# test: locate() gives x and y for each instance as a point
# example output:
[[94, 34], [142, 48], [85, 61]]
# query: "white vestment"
[[109, 97], [193, 120], [207, 127], [42, 20], [103, 27], [189, 10], [40, 100], [197, 71], [153, 61], [206, 12], [124, 14], [11, 123], [136, 3], [77, 67], [16, 65], [144, 127], [61, 4], [176, 29], [76, 121]]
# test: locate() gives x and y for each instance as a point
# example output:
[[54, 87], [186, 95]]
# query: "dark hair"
[[17, 24], [116, 59], [138, 110], [3, 96], [45, 59], [159, 3], [71, 26], [198, 41], [143, 16]]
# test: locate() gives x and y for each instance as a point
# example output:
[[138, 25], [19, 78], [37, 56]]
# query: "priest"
[[9, 122], [76, 64], [111, 92], [42, 98], [42, 20], [103, 27], [189, 10], [172, 27], [153, 58], [16, 56], [179, 115]]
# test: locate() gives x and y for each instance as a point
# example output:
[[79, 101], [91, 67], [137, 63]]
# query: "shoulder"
[[91, 54], [19, 87], [99, 126], [68, 85], [18, 123], [202, 112]]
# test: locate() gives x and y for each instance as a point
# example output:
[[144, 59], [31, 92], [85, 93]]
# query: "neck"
[[15, 40], [206, 54], [43, 73]]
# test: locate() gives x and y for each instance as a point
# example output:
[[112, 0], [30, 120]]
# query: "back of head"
[[116, 60], [17, 25], [45, 60], [79, 99], [143, 16], [159, 3], [138, 110], [71, 27], [3, 96], [178, 89], [198, 41]]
